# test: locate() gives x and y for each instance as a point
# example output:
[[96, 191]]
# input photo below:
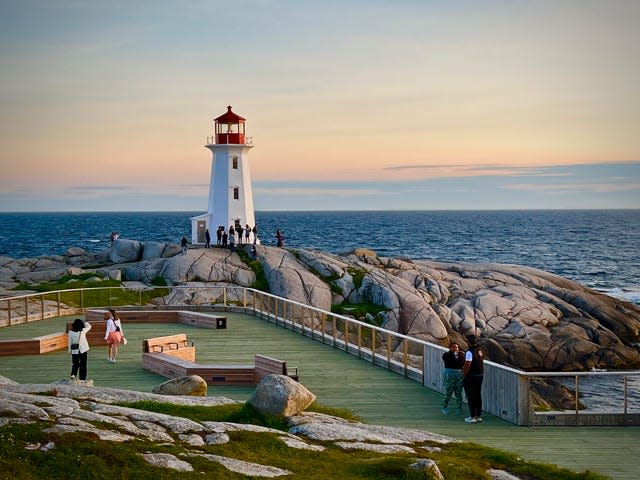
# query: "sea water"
[[598, 248]]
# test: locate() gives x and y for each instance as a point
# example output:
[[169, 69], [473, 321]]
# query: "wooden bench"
[[176, 346], [95, 336], [34, 346], [269, 365], [173, 356], [198, 319]]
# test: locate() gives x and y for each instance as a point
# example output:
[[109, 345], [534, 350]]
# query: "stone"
[[166, 460], [375, 447], [193, 385], [245, 468], [124, 250], [280, 395], [429, 466]]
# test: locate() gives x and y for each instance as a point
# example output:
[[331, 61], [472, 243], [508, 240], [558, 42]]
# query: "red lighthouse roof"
[[229, 117]]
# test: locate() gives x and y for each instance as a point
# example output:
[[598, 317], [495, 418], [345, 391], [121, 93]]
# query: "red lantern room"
[[230, 128]]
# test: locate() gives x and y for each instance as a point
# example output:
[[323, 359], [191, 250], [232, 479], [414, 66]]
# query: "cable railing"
[[523, 398]]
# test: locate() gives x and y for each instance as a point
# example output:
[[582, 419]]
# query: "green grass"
[[83, 456], [360, 310], [261, 282]]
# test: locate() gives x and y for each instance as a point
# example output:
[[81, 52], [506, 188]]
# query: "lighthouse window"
[[236, 193], [235, 163]]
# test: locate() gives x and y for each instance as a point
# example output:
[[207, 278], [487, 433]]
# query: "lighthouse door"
[[202, 226]]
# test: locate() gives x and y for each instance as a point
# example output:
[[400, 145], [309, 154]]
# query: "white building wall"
[[223, 208]]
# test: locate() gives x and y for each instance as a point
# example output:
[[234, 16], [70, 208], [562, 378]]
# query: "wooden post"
[[577, 400], [359, 341], [406, 356], [334, 330], [373, 346], [42, 307], [346, 335], [9, 310], [388, 350], [59, 303], [26, 309]]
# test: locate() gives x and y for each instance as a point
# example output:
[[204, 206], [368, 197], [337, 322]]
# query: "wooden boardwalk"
[[338, 379]]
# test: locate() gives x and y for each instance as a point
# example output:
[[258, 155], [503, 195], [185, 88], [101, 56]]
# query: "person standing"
[[255, 234], [225, 239], [232, 239], [183, 243], [113, 334], [239, 232], [78, 348], [279, 239], [247, 233], [219, 235], [453, 361], [473, 374], [207, 238]]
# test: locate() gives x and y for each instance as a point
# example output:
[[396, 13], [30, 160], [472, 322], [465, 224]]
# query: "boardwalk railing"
[[522, 398]]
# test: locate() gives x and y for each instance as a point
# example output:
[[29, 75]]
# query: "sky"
[[351, 104]]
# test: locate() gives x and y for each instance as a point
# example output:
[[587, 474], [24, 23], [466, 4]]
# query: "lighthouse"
[[230, 195]]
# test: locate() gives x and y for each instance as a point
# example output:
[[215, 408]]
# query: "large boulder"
[[193, 385], [281, 395], [208, 265], [289, 278], [124, 250]]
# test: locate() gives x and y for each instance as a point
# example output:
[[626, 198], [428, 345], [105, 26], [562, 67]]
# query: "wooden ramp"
[[339, 380]]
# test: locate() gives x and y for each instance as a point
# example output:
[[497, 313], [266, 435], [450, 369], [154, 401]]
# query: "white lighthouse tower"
[[230, 196]]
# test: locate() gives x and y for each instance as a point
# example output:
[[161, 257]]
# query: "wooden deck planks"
[[338, 380]]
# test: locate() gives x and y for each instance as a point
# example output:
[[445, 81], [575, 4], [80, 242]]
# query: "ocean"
[[598, 248]]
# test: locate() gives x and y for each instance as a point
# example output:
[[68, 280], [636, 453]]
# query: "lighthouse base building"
[[230, 195]]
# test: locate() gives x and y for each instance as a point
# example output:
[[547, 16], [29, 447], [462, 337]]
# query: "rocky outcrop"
[[70, 407], [526, 318]]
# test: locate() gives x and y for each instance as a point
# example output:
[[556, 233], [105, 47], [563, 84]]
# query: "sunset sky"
[[351, 104]]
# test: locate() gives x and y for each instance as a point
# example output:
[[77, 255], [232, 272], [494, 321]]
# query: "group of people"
[[236, 235], [78, 344], [464, 371]]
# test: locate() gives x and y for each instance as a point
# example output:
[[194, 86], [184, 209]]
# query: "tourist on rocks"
[[78, 348], [279, 239], [183, 243], [472, 374], [114, 335], [232, 239], [225, 239], [207, 238], [255, 234], [452, 377], [219, 235], [239, 231], [247, 233]]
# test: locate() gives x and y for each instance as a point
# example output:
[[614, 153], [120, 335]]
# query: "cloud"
[[577, 187], [339, 192]]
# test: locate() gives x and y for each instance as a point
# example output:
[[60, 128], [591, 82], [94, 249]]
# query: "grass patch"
[[359, 311], [83, 456], [255, 265]]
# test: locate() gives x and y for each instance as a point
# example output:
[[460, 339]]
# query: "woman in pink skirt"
[[114, 334]]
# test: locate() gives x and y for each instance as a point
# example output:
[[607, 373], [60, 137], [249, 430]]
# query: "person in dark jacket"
[[472, 376], [207, 238], [78, 347], [452, 377]]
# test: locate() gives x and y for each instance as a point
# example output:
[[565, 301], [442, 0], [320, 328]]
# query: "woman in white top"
[[78, 348], [114, 335]]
